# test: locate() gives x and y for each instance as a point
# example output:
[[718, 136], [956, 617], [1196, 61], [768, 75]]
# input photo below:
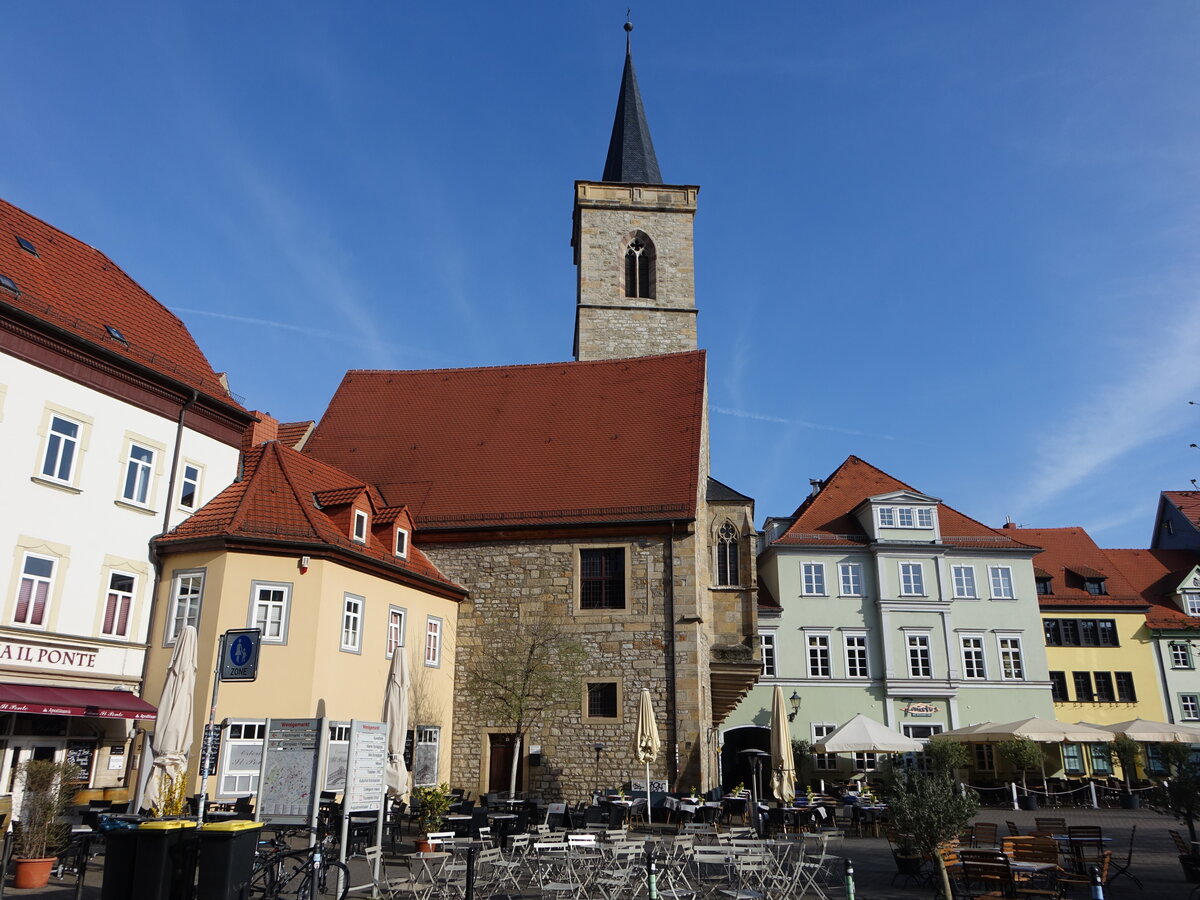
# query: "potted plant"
[[47, 789], [1126, 751], [1179, 796], [430, 806], [1022, 754], [927, 810]]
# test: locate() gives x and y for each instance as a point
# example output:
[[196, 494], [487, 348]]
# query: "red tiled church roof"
[[294, 434], [74, 287], [1187, 502], [1068, 556], [559, 443], [828, 518], [276, 502], [1155, 574]]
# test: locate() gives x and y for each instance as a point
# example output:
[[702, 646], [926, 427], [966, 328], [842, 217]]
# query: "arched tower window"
[[727, 555], [639, 267]]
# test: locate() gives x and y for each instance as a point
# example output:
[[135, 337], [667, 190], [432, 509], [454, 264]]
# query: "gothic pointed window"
[[639, 268], [727, 555]]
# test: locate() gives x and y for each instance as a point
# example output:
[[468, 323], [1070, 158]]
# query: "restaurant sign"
[[920, 710]]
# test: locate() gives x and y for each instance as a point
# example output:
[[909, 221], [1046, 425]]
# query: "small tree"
[[1179, 795], [520, 670], [1126, 751], [1022, 754], [947, 755], [46, 792], [929, 811], [801, 755]]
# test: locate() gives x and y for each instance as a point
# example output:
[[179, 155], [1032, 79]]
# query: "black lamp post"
[[599, 748], [794, 702]]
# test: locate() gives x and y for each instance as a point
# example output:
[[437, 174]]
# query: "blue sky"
[[959, 240]]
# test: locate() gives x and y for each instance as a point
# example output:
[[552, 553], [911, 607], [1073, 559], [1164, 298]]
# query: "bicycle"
[[306, 874]]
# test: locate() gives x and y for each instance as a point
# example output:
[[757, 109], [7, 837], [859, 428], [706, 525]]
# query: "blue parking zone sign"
[[239, 654]]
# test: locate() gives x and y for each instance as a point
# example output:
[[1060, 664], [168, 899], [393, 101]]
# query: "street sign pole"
[[212, 715], [237, 660]]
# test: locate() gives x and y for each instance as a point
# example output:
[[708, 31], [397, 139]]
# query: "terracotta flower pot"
[[33, 873]]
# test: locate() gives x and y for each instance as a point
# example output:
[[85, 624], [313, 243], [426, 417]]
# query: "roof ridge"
[[572, 363]]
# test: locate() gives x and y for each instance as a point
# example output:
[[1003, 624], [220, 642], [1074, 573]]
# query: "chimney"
[[816, 484], [261, 431]]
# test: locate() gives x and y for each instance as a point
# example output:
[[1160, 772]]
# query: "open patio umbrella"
[[862, 734], [1148, 732], [1043, 731], [783, 763], [395, 713], [172, 739], [645, 740], [969, 733]]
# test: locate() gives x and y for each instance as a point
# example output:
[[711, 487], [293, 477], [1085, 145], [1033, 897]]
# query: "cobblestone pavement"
[[1155, 860]]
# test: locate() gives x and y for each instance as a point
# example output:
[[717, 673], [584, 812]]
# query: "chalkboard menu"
[[82, 755]]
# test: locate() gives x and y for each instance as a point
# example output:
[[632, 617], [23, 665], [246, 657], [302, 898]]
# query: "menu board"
[[287, 787], [365, 766]]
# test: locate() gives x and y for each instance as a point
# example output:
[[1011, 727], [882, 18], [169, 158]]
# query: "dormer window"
[[401, 543], [1045, 585], [905, 517], [1191, 603], [1095, 586], [360, 526]]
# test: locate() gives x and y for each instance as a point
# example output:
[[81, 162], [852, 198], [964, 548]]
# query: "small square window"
[[602, 700], [360, 526], [887, 516], [602, 578]]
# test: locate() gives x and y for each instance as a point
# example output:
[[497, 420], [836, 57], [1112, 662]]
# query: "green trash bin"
[[160, 869], [226, 859]]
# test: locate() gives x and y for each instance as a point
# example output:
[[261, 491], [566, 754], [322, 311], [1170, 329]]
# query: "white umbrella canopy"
[[969, 733], [172, 739], [862, 734], [1045, 731], [1147, 731], [645, 740], [783, 763], [395, 713]]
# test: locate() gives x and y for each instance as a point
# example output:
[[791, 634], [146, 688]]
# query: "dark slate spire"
[[630, 151]]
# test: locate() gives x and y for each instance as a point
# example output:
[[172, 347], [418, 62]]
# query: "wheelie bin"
[[161, 869], [226, 859]]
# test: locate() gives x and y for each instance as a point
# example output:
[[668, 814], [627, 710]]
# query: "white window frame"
[[401, 545], [397, 626], [905, 517], [998, 587], [359, 532], [886, 516], [1189, 707], [850, 579], [812, 579], [282, 605], [121, 604], [426, 750], [823, 761], [56, 441], [974, 658], [910, 586], [965, 587], [433, 641], [137, 487], [920, 652], [924, 517], [817, 655], [186, 615], [1181, 654], [857, 651], [35, 581], [1012, 658], [1191, 603], [353, 612], [233, 740], [767, 649], [194, 481]]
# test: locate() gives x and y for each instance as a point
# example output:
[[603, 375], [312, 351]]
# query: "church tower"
[[633, 238]]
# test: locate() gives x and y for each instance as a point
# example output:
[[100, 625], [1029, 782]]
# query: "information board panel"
[[287, 784], [365, 766]]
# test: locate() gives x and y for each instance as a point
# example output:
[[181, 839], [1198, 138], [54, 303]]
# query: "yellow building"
[[1099, 651], [318, 561]]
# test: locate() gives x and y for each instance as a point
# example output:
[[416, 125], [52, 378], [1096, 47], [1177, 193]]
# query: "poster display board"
[[291, 762], [365, 766]]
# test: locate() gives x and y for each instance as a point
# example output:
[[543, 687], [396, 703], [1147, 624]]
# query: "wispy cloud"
[[800, 423], [1144, 400]]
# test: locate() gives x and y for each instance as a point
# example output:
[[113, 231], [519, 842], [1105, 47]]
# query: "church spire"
[[631, 156]]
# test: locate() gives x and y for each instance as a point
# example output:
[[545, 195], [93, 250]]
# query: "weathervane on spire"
[[628, 28]]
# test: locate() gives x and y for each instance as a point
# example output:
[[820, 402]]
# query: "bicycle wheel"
[[331, 882], [263, 879]]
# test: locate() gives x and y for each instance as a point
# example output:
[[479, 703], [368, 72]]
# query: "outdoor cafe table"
[[1073, 844], [503, 822], [460, 822]]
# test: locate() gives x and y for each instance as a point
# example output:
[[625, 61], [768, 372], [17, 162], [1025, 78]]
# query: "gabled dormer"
[[349, 509], [905, 516], [1187, 593], [394, 527]]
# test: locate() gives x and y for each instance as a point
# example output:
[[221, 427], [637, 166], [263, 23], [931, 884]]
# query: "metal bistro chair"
[[1122, 868]]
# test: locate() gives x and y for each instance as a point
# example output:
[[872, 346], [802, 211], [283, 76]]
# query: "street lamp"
[[794, 701], [599, 748]]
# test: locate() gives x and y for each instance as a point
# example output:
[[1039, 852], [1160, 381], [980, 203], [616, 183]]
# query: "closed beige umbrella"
[[783, 763], [645, 740], [172, 740], [395, 713]]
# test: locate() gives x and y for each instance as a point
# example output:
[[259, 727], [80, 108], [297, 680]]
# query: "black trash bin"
[[120, 850], [226, 859], [160, 868]]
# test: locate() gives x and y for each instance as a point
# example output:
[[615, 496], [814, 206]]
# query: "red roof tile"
[[275, 501], [828, 518], [578, 442], [1155, 574], [77, 288], [1187, 502], [294, 434], [1068, 556]]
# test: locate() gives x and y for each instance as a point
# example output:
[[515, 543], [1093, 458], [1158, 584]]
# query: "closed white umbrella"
[[172, 739], [783, 763], [645, 740], [395, 713], [862, 734]]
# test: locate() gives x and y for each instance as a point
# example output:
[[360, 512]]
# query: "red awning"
[[45, 700]]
